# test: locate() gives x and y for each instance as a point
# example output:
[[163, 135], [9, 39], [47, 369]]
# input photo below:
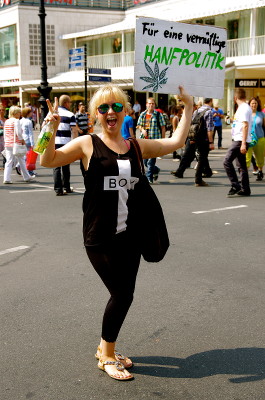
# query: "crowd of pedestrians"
[[153, 123]]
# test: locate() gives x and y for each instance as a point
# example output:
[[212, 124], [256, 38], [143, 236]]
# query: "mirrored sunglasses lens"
[[117, 107], [103, 108]]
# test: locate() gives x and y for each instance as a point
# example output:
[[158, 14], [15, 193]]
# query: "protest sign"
[[169, 54]]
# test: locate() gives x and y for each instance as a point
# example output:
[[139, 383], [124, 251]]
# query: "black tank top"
[[109, 181]]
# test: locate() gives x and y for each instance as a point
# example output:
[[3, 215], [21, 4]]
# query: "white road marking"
[[218, 209], [41, 186], [13, 249], [30, 191]]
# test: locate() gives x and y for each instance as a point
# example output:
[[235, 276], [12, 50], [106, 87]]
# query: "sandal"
[[126, 362], [119, 366]]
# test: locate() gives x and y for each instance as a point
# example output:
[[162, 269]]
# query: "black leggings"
[[117, 264]]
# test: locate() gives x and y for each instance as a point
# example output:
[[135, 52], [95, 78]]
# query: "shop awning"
[[128, 24]]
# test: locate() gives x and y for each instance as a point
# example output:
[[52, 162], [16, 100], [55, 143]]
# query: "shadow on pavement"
[[249, 363]]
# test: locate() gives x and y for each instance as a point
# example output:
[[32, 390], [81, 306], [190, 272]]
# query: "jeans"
[[232, 154], [218, 129], [152, 169], [61, 176]]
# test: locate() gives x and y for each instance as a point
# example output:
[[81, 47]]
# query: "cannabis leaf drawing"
[[155, 79]]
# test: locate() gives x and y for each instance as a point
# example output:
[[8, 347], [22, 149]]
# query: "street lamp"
[[44, 88]]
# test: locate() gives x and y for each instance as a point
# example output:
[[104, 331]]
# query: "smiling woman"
[[111, 174]]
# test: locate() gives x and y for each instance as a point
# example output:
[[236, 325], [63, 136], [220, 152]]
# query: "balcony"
[[246, 47], [114, 60], [235, 48], [105, 4]]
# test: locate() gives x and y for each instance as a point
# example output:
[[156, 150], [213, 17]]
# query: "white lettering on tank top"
[[123, 182]]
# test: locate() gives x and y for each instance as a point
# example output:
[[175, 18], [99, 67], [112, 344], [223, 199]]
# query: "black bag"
[[168, 125], [147, 217], [198, 130]]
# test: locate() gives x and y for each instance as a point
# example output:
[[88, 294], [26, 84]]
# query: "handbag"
[[254, 139], [147, 216], [31, 160], [19, 149]]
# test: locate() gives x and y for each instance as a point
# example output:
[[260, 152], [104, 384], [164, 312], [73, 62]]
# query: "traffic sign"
[[99, 71], [94, 78], [76, 50], [76, 64], [79, 57]]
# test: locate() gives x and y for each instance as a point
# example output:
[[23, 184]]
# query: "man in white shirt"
[[241, 137]]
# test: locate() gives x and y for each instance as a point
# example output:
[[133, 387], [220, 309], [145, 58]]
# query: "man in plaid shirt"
[[152, 125]]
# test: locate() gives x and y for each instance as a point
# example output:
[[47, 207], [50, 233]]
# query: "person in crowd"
[[82, 120], [168, 125], [200, 147], [2, 142], [218, 115], [127, 125], [176, 113], [137, 109], [111, 172], [152, 126], [34, 116], [66, 130], [27, 130], [27, 127], [241, 137], [13, 133], [258, 126]]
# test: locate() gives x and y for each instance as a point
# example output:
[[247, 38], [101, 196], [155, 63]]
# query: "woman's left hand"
[[185, 97]]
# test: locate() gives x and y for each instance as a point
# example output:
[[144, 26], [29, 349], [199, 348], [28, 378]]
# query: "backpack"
[[168, 125], [167, 121], [198, 128]]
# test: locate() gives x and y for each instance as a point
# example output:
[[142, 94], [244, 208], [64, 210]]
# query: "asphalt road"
[[196, 327]]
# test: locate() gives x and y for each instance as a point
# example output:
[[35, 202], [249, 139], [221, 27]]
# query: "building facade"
[[107, 27]]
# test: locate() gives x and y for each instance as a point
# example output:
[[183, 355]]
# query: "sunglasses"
[[116, 107]]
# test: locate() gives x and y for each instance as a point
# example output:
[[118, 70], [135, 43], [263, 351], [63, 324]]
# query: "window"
[[232, 26], [260, 26], [35, 45], [8, 46]]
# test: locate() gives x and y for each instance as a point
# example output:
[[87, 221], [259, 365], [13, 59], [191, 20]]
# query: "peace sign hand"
[[53, 112]]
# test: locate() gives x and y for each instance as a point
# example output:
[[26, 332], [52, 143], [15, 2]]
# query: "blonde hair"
[[13, 110], [26, 111], [104, 94]]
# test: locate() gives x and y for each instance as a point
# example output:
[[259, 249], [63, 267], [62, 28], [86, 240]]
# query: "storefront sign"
[[169, 54], [250, 83], [247, 83]]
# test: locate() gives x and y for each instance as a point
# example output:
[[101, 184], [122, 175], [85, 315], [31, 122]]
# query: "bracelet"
[[210, 142]]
